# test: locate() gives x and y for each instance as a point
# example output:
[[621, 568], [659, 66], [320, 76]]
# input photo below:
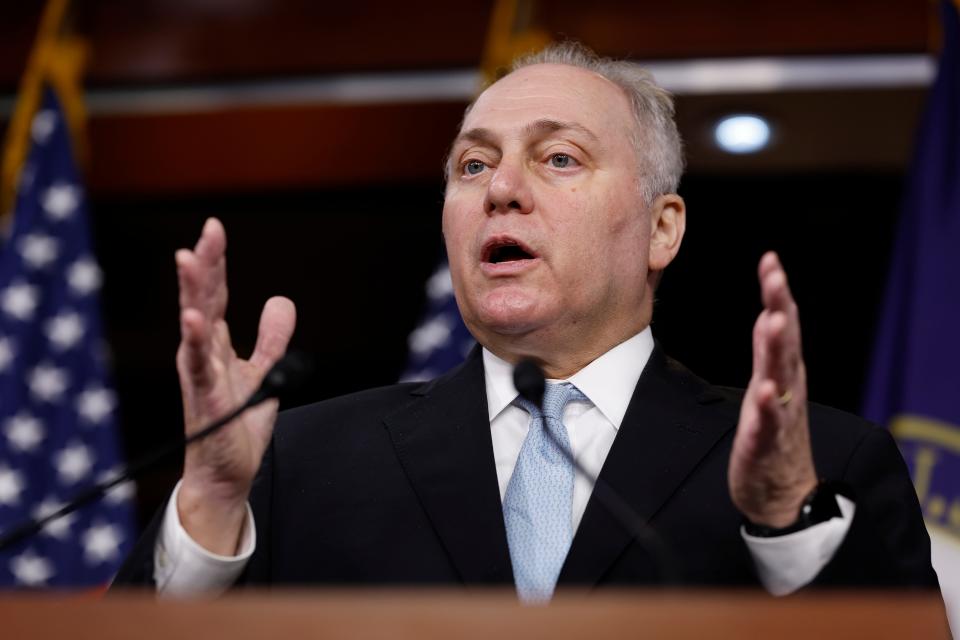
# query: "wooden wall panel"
[[160, 40], [706, 28], [280, 147], [176, 41]]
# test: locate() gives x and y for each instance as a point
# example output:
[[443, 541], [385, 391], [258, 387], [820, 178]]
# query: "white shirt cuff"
[[182, 568], [787, 563]]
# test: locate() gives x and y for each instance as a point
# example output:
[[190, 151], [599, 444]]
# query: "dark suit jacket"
[[398, 486]]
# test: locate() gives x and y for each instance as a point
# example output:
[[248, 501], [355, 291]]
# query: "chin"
[[507, 313]]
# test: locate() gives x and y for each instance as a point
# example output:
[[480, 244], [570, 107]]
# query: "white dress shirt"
[[784, 563]]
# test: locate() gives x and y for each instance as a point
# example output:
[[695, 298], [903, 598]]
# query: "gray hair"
[[656, 138]]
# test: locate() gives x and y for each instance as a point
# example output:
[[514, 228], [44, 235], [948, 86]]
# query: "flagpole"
[[58, 59]]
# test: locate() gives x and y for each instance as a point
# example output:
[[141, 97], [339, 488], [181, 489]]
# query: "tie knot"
[[555, 398]]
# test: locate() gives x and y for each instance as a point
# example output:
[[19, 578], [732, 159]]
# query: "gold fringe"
[[57, 59], [511, 34]]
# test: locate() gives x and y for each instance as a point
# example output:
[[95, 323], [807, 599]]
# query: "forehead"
[[556, 92]]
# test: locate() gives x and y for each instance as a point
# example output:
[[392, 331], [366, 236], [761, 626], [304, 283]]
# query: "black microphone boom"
[[531, 384], [288, 374], [291, 371]]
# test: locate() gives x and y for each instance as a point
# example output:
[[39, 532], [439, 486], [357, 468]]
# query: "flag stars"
[[43, 125], [11, 484], [59, 528], [38, 250], [60, 200], [24, 432], [20, 300], [6, 353], [122, 492], [65, 330], [101, 543], [431, 335], [95, 404], [440, 284], [84, 276], [47, 383], [31, 570], [73, 463]]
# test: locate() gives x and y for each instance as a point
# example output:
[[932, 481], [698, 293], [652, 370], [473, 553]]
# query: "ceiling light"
[[742, 133]]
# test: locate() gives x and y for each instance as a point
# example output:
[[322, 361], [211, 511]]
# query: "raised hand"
[[771, 465], [219, 470]]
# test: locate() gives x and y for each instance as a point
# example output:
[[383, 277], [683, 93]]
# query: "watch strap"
[[819, 506]]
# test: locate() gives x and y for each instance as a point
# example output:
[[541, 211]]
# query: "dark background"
[[338, 206]]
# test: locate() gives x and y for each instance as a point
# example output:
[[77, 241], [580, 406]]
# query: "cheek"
[[612, 238], [458, 237], [601, 229], [453, 225]]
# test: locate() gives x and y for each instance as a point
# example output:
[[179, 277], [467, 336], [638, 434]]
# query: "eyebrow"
[[539, 127], [553, 126]]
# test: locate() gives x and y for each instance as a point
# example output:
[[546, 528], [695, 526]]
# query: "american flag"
[[58, 431], [441, 340]]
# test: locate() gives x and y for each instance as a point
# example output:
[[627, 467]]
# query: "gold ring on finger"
[[785, 397]]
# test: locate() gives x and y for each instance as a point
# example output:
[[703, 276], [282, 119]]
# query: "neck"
[[554, 360]]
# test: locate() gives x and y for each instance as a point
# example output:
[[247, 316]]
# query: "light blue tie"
[[539, 499]]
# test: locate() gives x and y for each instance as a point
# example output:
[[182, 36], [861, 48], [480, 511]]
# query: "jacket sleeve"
[[137, 569], [887, 544]]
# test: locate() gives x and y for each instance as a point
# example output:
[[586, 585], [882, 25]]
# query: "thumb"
[[277, 321]]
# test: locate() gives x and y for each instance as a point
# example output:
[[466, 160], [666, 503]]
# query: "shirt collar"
[[608, 381]]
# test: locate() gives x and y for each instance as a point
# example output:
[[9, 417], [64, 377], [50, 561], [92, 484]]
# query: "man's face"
[[546, 230]]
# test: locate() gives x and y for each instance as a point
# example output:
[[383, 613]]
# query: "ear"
[[668, 221]]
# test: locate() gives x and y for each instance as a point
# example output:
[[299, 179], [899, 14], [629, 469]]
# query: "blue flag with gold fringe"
[[914, 383]]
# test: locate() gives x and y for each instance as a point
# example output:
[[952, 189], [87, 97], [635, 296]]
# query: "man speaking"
[[560, 216]]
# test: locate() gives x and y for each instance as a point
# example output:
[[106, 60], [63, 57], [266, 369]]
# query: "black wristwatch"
[[819, 506]]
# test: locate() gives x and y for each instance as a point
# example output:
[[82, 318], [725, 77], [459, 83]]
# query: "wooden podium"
[[487, 615]]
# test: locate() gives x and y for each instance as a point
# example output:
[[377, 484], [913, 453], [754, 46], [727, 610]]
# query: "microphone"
[[531, 384], [287, 374]]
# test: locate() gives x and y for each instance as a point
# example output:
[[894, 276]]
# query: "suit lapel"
[[443, 441], [664, 434]]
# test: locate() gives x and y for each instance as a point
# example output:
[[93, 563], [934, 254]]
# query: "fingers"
[[774, 289], [780, 350], [277, 322], [193, 356], [777, 346], [202, 272], [769, 409]]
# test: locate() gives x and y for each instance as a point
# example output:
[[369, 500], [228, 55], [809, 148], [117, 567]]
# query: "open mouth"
[[506, 250]]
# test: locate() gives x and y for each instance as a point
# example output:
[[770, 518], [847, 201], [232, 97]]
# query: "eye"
[[561, 161], [473, 167]]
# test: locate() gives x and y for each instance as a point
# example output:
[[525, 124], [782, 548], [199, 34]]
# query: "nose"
[[509, 190]]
